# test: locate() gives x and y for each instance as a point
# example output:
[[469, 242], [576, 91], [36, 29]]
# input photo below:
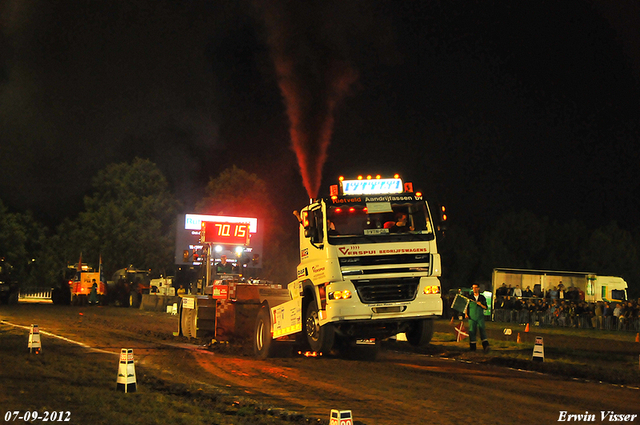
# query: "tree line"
[[525, 241], [129, 219]]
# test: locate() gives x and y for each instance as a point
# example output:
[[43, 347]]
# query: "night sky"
[[486, 106]]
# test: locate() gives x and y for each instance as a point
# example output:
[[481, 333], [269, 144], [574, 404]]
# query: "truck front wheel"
[[320, 338], [420, 332]]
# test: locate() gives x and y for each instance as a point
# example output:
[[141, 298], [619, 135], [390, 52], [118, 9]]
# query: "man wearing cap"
[[475, 314]]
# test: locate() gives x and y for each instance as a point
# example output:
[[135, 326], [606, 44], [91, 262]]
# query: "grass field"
[[606, 356], [69, 378], [81, 385]]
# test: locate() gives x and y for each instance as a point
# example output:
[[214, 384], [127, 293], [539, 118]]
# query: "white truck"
[[369, 269], [593, 287], [162, 286]]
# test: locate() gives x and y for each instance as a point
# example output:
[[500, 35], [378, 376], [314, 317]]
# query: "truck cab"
[[369, 264]]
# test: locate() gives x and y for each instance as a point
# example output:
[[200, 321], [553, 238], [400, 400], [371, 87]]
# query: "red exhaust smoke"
[[313, 79]]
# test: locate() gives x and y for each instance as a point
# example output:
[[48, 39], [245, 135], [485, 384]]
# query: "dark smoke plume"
[[307, 41]]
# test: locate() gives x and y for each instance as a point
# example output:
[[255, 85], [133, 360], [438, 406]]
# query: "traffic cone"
[[451, 320], [526, 329], [638, 337], [126, 372], [34, 339], [518, 339]]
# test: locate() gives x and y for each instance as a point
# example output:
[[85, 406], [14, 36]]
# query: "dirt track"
[[398, 388]]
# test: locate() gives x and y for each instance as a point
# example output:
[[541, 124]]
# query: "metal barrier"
[[548, 318], [34, 295]]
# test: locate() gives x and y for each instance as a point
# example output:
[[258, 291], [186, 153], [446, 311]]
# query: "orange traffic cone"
[[451, 320], [518, 340], [638, 337], [527, 328]]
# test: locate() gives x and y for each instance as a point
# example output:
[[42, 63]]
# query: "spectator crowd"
[[566, 307]]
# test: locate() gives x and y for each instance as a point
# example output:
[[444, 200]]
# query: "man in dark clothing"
[[223, 267], [475, 314], [93, 295], [527, 293], [516, 308]]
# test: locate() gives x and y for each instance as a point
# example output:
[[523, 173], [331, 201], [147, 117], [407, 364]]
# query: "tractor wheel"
[[134, 299]]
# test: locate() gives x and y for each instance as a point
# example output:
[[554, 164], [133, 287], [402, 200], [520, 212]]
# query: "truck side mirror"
[[309, 221]]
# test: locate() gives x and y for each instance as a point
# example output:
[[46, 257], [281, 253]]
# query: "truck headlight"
[[431, 289], [340, 295]]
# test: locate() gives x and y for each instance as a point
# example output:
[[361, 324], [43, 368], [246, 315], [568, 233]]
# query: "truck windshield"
[[379, 222]]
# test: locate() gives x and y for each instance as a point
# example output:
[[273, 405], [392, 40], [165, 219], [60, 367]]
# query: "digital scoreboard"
[[231, 234], [226, 233]]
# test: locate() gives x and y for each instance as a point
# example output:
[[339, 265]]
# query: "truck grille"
[[386, 290], [374, 260]]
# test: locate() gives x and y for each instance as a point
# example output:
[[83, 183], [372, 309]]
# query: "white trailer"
[[593, 287]]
